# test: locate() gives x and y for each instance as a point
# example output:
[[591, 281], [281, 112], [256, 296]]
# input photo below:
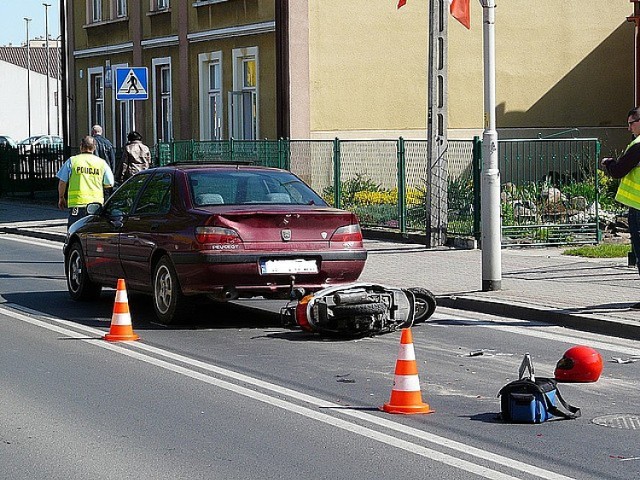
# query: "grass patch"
[[603, 250]]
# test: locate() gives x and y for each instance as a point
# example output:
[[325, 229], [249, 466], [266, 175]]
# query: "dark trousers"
[[75, 214], [634, 230]]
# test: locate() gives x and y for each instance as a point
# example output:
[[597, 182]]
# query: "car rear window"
[[244, 187]]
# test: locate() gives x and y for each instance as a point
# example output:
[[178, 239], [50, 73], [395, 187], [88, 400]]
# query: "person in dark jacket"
[[136, 157], [104, 148]]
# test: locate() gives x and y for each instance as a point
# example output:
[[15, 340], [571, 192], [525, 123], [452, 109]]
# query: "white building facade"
[[25, 93]]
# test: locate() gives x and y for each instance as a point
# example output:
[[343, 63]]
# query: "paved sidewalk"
[[538, 283]]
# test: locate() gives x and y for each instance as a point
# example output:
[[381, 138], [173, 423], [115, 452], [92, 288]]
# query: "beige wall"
[[299, 88], [367, 67], [559, 64]]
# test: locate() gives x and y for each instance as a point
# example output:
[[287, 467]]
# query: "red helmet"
[[579, 364]]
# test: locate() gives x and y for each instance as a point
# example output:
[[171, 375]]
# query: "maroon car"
[[224, 231]]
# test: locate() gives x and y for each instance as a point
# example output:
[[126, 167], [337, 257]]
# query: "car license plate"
[[288, 266]]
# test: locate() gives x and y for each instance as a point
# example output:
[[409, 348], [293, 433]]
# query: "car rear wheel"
[[78, 283], [168, 300], [425, 304]]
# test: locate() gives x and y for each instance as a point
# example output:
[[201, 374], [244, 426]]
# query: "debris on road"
[[343, 379], [478, 353], [623, 360]]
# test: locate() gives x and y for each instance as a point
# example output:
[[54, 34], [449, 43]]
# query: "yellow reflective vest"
[[629, 189], [86, 181]]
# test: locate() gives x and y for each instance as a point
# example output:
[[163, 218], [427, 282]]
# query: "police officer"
[[626, 168], [85, 175]]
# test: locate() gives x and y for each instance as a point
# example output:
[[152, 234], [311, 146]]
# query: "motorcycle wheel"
[[425, 304]]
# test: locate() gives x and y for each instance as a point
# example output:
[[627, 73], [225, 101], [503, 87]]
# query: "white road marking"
[[63, 327], [567, 335], [33, 241]]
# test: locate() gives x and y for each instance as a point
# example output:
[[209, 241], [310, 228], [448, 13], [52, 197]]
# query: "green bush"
[[383, 215], [349, 188]]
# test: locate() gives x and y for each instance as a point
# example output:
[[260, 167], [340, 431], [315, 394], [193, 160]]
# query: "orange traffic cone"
[[405, 395], [121, 329]]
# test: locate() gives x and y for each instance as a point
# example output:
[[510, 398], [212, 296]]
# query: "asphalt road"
[[233, 395]]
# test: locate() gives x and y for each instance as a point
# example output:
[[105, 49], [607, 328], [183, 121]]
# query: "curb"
[[560, 317]]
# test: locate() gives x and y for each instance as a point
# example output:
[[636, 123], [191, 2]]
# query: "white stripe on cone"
[[121, 296], [406, 383], [121, 319], [406, 352]]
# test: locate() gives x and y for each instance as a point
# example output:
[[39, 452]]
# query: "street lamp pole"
[[27, 20], [46, 35], [490, 191]]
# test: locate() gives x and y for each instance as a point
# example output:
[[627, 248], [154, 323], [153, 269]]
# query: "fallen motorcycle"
[[359, 309]]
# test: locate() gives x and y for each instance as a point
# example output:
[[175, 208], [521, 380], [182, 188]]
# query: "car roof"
[[189, 166]]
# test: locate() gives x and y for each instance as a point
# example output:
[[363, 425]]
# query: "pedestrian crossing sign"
[[132, 83]]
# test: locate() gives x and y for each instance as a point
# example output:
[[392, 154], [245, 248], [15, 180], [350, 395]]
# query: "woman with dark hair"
[[135, 158]]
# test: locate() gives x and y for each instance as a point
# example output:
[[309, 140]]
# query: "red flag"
[[458, 8], [460, 11]]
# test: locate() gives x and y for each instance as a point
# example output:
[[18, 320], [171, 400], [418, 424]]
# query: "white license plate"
[[288, 266]]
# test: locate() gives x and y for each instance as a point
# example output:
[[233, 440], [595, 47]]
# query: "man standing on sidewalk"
[[85, 175], [626, 168]]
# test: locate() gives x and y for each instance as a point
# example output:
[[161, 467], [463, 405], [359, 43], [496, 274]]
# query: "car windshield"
[[244, 187]]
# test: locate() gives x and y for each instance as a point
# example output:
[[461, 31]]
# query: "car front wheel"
[[78, 283], [168, 300]]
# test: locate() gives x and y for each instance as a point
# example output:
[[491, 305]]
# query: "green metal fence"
[[550, 188], [384, 182], [549, 193], [272, 153]]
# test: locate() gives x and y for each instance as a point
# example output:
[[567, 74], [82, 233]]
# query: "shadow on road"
[[97, 313]]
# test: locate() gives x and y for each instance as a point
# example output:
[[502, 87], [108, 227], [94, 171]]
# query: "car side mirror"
[[94, 208]]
